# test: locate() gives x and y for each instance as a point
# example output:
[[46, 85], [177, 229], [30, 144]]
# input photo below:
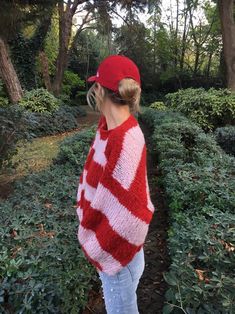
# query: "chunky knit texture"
[[113, 201]]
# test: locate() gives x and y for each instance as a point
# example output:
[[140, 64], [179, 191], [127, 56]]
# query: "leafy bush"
[[210, 109], [43, 269], [80, 98], [4, 101], [198, 178], [59, 121], [2, 90], [158, 105], [148, 97], [13, 128], [39, 100], [71, 148], [169, 117], [226, 138], [18, 125], [202, 252], [71, 81]]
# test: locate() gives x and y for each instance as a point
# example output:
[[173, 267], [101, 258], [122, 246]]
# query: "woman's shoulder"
[[130, 134], [128, 143]]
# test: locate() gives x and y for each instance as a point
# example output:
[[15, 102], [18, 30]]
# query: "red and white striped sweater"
[[113, 201]]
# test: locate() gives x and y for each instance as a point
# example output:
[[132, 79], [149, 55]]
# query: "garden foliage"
[[208, 108], [13, 129], [199, 181], [225, 136], [39, 100], [63, 119], [42, 267], [18, 125]]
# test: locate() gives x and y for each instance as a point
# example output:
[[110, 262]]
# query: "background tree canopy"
[[176, 44]]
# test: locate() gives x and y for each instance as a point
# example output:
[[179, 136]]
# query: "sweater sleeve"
[[122, 198], [80, 180]]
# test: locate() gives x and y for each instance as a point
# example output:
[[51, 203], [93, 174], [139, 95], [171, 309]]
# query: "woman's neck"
[[115, 114]]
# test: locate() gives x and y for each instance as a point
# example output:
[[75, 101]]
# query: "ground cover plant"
[[199, 181], [42, 268], [225, 136]]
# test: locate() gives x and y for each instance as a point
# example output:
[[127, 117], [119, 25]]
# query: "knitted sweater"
[[113, 200]]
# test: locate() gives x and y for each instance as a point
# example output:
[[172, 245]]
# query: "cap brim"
[[91, 78]]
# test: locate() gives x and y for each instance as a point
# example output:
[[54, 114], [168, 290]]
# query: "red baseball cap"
[[113, 69]]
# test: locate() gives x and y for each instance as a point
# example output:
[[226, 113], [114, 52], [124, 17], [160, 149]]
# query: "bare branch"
[[88, 21], [80, 29], [124, 20], [76, 3]]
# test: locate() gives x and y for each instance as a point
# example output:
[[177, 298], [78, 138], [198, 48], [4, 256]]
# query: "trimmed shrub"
[[209, 109], [59, 121], [226, 138], [18, 125], [202, 252], [71, 148], [198, 179], [13, 128]]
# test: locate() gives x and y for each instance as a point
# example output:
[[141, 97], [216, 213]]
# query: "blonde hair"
[[129, 92]]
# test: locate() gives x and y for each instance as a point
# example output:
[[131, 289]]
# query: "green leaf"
[[170, 279], [168, 308]]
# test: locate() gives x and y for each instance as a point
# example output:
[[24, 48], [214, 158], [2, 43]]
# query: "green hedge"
[[71, 148], [59, 121], [18, 125], [208, 108], [226, 138], [13, 133], [199, 181], [42, 267]]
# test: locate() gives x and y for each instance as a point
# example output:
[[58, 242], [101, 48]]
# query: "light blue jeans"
[[119, 290]]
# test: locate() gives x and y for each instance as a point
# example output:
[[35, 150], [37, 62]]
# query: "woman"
[[113, 201]]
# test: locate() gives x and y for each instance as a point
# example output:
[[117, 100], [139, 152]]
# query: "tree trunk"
[[209, 65], [155, 40], [226, 12], [184, 39], [45, 70], [176, 33], [8, 74], [196, 63], [65, 26], [66, 14]]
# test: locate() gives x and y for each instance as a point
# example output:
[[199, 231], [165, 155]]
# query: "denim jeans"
[[119, 290]]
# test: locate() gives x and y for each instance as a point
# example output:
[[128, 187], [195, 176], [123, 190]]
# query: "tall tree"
[[226, 11], [14, 15], [184, 35], [66, 13], [8, 74], [101, 10], [154, 23]]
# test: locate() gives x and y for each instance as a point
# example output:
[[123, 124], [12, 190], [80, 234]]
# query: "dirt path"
[[152, 286]]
